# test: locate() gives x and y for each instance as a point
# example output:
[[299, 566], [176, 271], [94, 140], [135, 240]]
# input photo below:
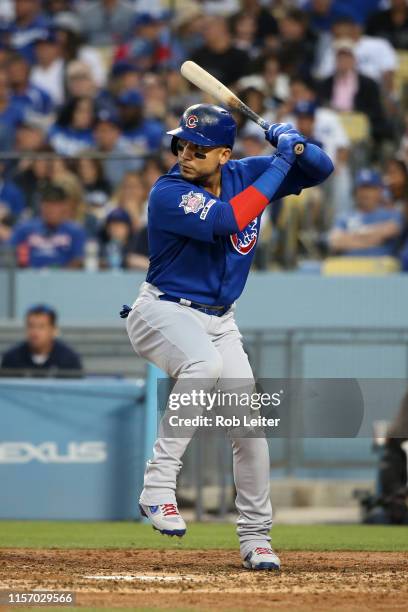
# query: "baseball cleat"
[[261, 558], [165, 518]]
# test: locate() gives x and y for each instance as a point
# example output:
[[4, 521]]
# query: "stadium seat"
[[356, 125], [360, 266]]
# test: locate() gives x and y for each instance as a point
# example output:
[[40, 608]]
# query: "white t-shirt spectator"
[[50, 79], [374, 57]]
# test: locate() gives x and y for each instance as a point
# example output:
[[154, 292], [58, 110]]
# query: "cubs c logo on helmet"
[[192, 121]]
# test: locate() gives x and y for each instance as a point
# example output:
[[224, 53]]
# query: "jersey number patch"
[[245, 241]]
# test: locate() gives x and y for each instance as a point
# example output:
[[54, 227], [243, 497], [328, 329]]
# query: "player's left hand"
[[287, 143], [275, 130]]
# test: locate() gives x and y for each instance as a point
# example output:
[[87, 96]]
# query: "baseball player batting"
[[203, 225]]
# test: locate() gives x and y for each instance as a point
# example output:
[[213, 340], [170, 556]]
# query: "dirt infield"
[[213, 579]]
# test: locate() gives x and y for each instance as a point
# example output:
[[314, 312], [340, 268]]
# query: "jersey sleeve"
[[183, 208]]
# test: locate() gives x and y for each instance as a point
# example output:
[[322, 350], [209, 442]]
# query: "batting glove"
[[287, 143], [275, 130]]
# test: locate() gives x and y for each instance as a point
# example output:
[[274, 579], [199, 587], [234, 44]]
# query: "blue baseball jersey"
[[186, 258], [357, 219], [50, 246]]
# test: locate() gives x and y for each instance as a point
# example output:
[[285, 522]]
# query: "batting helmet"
[[206, 125]]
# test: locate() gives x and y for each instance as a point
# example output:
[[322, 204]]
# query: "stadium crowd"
[[89, 88]]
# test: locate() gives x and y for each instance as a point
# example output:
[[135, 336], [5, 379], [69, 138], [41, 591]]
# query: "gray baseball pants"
[[188, 344]]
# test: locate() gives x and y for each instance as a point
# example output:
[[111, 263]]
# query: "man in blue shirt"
[[41, 350], [143, 135], [29, 97], [371, 230], [51, 240], [29, 24], [203, 225]]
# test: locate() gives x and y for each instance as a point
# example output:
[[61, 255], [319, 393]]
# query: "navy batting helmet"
[[206, 125]]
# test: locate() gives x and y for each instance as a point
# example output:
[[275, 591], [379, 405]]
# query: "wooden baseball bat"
[[212, 86]]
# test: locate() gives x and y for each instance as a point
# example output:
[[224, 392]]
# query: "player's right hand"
[[275, 130], [287, 143]]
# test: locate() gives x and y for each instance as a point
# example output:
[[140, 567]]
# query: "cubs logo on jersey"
[[244, 241], [192, 202]]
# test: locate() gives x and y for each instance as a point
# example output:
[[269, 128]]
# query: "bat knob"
[[299, 148]]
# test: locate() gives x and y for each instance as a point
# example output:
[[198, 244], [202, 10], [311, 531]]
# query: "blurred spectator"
[[73, 131], [149, 46], [391, 24], [79, 81], [218, 55], [276, 82], [116, 237], [327, 128], [349, 90], [297, 43], [265, 24], [155, 98], [254, 96], [32, 175], [371, 230], [396, 182], [50, 240], [375, 57], [244, 34], [187, 26], [68, 32], [124, 77], [96, 188], [32, 98], [10, 114], [41, 349], [143, 136], [48, 71], [29, 24], [106, 22], [12, 198], [131, 196], [119, 157]]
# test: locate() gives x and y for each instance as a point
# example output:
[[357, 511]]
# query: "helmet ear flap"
[[173, 145]]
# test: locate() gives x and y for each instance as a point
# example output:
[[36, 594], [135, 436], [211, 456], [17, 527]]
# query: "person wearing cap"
[[116, 237], [371, 230], [41, 350], [149, 47], [119, 157], [349, 90], [50, 240], [143, 135], [29, 23], [48, 71]]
